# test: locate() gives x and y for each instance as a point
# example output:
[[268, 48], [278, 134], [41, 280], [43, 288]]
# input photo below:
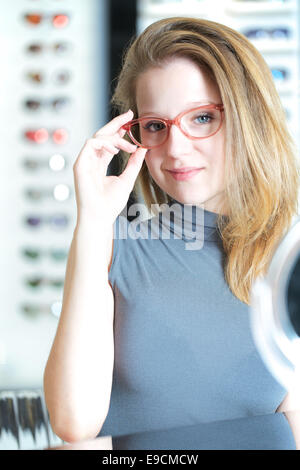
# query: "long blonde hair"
[[261, 167]]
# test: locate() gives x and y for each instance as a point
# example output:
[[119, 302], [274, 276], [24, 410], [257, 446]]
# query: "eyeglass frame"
[[176, 122]]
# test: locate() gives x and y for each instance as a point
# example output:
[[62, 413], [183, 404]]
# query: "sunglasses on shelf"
[[36, 19], [60, 193], [41, 281], [56, 162], [33, 254], [58, 78], [60, 48], [57, 104], [279, 74], [268, 33], [42, 135], [32, 310], [59, 221]]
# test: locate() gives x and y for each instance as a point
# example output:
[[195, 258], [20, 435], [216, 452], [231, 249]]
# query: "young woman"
[[153, 335]]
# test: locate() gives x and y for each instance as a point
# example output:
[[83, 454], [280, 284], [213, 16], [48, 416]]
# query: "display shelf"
[[166, 9], [87, 89], [235, 7], [278, 46]]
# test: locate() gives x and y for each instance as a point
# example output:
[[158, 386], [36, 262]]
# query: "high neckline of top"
[[209, 218]]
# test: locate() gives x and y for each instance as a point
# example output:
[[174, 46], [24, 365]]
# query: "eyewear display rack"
[[54, 85]]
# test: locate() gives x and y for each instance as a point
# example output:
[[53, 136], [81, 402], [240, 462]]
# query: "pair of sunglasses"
[[57, 104], [57, 48], [268, 33], [57, 21], [59, 78], [32, 310], [33, 254], [42, 135], [40, 281], [61, 192], [56, 162], [59, 221]]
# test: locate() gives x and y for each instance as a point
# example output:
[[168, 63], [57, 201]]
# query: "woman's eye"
[[152, 126], [203, 118]]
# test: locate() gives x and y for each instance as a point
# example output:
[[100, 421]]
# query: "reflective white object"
[[273, 332]]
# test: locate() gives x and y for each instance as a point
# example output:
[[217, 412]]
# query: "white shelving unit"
[[25, 339]]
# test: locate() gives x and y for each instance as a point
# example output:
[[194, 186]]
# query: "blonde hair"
[[261, 167]]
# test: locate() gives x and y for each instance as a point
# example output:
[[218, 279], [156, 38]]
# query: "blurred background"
[[60, 60]]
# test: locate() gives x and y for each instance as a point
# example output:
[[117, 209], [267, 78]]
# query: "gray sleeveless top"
[[184, 352]]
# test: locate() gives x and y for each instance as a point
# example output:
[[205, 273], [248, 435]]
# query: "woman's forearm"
[[78, 373], [293, 418]]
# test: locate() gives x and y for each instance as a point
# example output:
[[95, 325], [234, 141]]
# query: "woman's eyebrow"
[[188, 105]]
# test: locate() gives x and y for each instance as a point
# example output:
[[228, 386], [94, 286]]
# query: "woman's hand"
[[100, 197]]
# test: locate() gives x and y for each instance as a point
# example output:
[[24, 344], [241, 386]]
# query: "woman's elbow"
[[72, 432]]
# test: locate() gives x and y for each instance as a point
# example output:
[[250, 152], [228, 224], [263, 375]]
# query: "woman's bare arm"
[[78, 374], [290, 407]]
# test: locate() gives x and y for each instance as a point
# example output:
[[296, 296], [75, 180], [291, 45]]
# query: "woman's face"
[[165, 92]]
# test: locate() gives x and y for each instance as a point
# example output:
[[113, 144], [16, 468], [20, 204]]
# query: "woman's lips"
[[184, 175]]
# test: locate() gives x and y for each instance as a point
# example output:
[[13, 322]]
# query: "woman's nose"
[[177, 143]]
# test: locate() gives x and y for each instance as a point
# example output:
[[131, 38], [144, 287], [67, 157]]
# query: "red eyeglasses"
[[58, 21], [200, 122], [42, 135]]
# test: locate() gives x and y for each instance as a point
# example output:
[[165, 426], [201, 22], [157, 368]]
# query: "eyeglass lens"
[[279, 74]]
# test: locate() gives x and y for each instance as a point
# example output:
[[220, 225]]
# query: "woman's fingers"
[[105, 149], [104, 145], [133, 167], [97, 192], [99, 144], [118, 142], [114, 126], [121, 132]]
